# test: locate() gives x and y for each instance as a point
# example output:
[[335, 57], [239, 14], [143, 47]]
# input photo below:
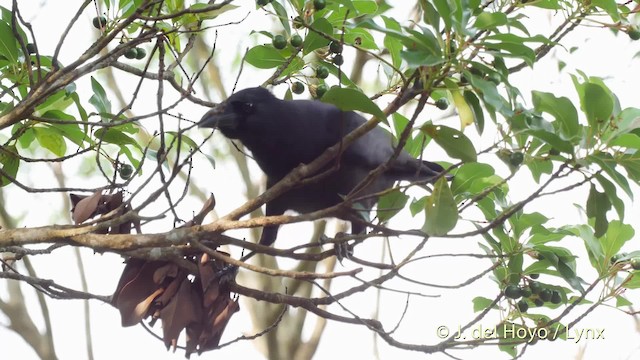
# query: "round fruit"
[[526, 292], [554, 152], [297, 87], [538, 302], [31, 48], [512, 292], [545, 295], [131, 53], [279, 42], [140, 53], [263, 2], [635, 263], [534, 276], [320, 90], [322, 72], [126, 171], [319, 4], [523, 306], [442, 103], [296, 41], [335, 47], [633, 33], [555, 297], [338, 59], [516, 158], [99, 22], [536, 287]]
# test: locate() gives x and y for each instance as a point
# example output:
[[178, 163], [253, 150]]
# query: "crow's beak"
[[217, 118]]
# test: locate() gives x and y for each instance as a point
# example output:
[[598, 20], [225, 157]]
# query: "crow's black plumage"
[[284, 134]]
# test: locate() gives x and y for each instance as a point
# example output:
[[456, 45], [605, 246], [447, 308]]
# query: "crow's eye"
[[244, 107]]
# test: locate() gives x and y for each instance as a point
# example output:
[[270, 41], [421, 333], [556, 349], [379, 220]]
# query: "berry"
[[512, 292], [125, 171], [554, 152], [555, 297], [635, 263], [538, 302], [338, 59], [322, 72], [534, 276], [545, 295], [442, 103], [31, 48], [526, 292], [516, 158], [320, 90], [263, 2], [140, 53], [296, 41], [536, 287], [131, 53], [279, 42], [633, 33], [99, 22], [297, 87], [335, 47], [523, 306], [319, 4]]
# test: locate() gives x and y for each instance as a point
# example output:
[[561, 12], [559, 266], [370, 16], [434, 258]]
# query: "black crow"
[[284, 134]]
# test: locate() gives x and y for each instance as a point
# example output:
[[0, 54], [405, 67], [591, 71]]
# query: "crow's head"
[[234, 115]]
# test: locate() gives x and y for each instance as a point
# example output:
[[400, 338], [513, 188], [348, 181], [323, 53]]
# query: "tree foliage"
[[454, 55]]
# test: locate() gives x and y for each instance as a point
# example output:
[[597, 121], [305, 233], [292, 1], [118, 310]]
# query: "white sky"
[[600, 54]]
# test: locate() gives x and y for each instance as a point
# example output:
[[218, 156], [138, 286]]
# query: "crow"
[[283, 134]]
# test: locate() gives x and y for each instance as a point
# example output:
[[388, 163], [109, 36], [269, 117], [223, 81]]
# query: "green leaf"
[[282, 16], [115, 136], [351, 99], [480, 303], [610, 6], [608, 164], [478, 114], [454, 142], [264, 57], [441, 212], [99, 98], [598, 104], [561, 109], [466, 174], [610, 191], [631, 163], [10, 164], [487, 20], [617, 235], [594, 248], [314, 40], [552, 139], [444, 11], [633, 280], [597, 206], [51, 139], [390, 204], [8, 44]]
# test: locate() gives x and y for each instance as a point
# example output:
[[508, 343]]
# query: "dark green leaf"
[[478, 114], [8, 44], [351, 99], [10, 164], [314, 40], [560, 108], [454, 142], [390, 204], [99, 98], [597, 206], [610, 191]]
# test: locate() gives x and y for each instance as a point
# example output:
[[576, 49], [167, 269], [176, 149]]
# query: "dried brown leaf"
[[86, 208]]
